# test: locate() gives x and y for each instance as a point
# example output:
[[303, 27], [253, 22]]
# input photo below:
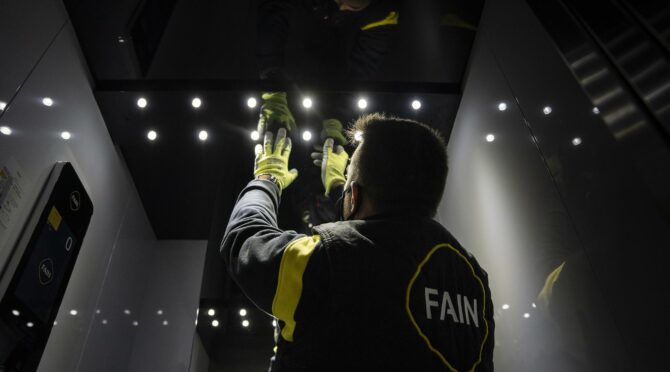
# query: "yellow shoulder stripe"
[[289, 284], [391, 19]]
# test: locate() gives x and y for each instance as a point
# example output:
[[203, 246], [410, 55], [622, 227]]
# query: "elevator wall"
[[541, 192], [132, 300]]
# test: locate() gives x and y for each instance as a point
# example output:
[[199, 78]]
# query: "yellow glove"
[[332, 164], [275, 113], [273, 159], [332, 128]]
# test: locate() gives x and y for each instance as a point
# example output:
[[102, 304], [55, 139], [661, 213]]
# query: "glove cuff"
[[332, 182]]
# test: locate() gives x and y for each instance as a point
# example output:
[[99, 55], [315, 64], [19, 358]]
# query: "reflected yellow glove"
[[332, 128], [275, 113], [272, 159], [332, 164]]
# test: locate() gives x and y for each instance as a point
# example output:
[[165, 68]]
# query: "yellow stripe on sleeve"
[[289, 284], [391, 19]]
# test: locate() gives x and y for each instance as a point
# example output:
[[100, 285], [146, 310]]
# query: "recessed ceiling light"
[[526, 315], [142, 102], [152, 135], [29, 324], [47, 101], [416, 104], [215, 323], [16, 312], [490, 138], [547, 110], [211, 312], [502, 106], [576, 141], [196, 102], [251, 102], [307, 102], [65, 135], [245, 323], [534, 304], [306, 135], [73, 312], [159, 312], [165, 322], [135, 323], [121, 39], [505, 306], [362, 103], [104, 321], [243, 312], [126, 311], [255, 135], [596, 110], [6, 130], [3, 104], [202, 135]]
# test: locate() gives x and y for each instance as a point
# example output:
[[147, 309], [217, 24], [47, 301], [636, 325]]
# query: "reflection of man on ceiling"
[[344, 38]]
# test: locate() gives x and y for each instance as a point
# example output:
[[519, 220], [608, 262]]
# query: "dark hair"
[[400, 163]]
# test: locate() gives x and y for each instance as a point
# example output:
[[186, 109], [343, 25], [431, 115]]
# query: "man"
[[386, 288]]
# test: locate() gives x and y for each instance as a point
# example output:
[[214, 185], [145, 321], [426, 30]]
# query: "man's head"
[[399, 164], [353, 5]]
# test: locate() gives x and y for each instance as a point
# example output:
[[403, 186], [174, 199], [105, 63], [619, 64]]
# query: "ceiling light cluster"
[[252, 102]]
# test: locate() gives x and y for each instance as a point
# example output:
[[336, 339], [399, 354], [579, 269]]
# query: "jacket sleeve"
[[268, 264]]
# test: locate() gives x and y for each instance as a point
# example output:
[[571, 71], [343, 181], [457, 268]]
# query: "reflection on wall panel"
[[120, 265], [554, 208], [626, 74]]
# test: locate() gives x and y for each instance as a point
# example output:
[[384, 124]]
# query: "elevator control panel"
[[34, 279]]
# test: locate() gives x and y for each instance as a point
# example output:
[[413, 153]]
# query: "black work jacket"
[[394, 292]]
